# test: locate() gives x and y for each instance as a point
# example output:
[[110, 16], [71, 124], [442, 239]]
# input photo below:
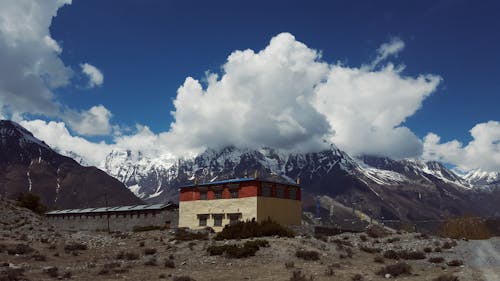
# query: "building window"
[[292, 193], [203, 195], [234, 218], [266, 190], [218, 194], [218, 219], [235, 193], [202, 220], [280, 191]]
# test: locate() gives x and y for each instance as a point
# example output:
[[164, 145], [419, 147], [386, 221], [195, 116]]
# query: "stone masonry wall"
[[117, 222]]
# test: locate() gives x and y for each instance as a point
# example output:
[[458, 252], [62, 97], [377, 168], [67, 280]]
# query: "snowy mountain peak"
[[390, 171], [481, 178]]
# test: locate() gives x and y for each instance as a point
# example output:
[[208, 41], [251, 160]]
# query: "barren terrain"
[[48, 254]]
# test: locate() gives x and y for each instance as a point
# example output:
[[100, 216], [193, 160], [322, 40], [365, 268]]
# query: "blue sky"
[[147, 48], [435, 97]]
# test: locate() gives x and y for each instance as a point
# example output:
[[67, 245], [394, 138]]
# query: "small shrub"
[[12, 274], [341, 243], [370, 249], [395, 270], [112, 265], [377, 231], [412, 255], [149, 251], [330, 271], [51, 271], [357, 277], [39, 257], [191, 245], [455, 263], [349, 252], [127, 256], [31, 201], [391, 254], [447, 245], [20, 249], [142, 244], [379, 259], [151, 262], [307, 255], [182, 234], [436, 260], [445, 277], [248, 249], [248, 229], [427, 249], [437, 250], [299, 276], [392, 240], [404, 254], [74, 246], [183, 278], [289, 264], [363, 237], [169, 263]]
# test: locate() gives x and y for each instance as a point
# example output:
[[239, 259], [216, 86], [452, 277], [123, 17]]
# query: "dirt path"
[[484, 256]]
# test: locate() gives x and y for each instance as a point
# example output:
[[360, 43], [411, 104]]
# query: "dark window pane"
[[203, 195]]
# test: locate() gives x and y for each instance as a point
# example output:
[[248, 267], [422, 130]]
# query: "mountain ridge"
[[28, 164]]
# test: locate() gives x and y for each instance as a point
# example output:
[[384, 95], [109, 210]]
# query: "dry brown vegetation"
[[465, 227]]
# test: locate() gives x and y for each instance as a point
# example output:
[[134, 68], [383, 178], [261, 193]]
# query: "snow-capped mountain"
[[150, 178], [406, 188], [384, 170], [482, 178], [142, 175]]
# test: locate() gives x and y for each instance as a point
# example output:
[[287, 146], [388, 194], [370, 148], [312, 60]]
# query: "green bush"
[[248, 249], [307, 255], [32, 202], [182, 234], [249, 229]]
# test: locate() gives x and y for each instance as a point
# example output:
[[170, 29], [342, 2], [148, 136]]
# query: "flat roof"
[[229, 181], [112, 209]]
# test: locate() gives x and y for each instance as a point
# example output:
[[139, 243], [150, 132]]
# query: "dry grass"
[[465, 227]]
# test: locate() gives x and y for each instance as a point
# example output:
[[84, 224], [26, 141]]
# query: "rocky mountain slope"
[[27, 164], [381, 187]]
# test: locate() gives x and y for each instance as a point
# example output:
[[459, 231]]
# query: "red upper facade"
[[240, 188]]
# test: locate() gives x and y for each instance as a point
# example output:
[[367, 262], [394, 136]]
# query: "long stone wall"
[[117, 221]]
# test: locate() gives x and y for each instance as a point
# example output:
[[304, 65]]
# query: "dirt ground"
[[190, 258], [30, 249]]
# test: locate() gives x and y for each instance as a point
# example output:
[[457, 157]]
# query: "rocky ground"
[[32, 250]]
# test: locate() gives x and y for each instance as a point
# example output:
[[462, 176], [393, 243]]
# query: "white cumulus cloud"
[[93, 122], [391, 48], [31, 68], [482, 152], [285, 96], [57, 135], [96, 78]]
